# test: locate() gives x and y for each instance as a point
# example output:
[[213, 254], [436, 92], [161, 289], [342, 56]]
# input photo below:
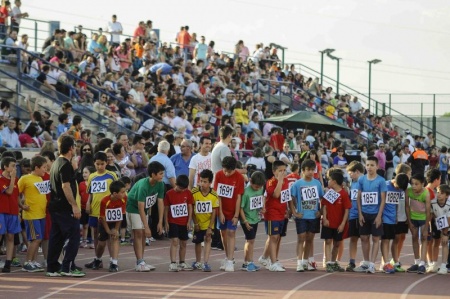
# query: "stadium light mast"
[[373, 61], [326, 51], [337, 76]]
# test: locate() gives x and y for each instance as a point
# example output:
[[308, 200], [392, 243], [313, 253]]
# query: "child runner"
[[84, 195], [305, 206], [178, 216], [395, 189], [336, 205], [418, 214], [371, 201], [355, 170], [112, 211], [142, 196], [229, 185], [440, 209], [9, 208], [34, 206], [98, 187], [206, 204], [252, 203], [123, 226]]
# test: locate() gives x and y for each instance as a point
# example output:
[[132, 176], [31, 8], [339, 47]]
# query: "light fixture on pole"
[[326, 51], [337, 76], [374, 61]]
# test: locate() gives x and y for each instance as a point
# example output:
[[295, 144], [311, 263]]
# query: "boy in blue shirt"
[[305, 205], [371, 201], [395, 189]]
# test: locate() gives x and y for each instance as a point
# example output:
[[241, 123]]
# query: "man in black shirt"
[[64, 212]]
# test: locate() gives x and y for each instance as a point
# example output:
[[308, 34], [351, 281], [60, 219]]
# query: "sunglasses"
[[86, 150]]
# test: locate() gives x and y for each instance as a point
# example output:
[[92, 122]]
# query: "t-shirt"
[[199, 163], [336, 210], [276, 206], [228, 189], [417, 204], [178, 204], [353, 213], [401, 213], [220, 151], [144, 192], [393, 196], [98, 188], [35, 191], [443, 166], [203, 207], [307, 195], [440, 210], [9, 203], [292, 178], [82, 188], [112, 210], [370, 191], [202, 50], [252, 202], [61, 172]]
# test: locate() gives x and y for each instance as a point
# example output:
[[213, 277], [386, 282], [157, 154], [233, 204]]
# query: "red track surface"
[[216, 284]]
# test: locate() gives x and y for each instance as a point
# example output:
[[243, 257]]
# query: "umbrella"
[[308, 119]]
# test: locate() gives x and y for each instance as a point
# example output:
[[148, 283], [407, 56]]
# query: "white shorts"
[[134, 221]]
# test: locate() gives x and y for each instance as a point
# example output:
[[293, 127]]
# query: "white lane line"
[[191, 284], [413, 285], [292, 292]]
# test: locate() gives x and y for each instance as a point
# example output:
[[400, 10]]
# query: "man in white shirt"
[[200, 162], [180, 121], [355, 105], [115, 28], [192, 92], [17, 15], [9, 136], [258, 110]]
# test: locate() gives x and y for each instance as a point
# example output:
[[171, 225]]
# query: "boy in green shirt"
[[251, 204]]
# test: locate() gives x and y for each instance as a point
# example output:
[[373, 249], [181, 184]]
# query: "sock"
[[311, 259], [416, 262], [97, 258], [352, 261], [139, 261], [114, 261]]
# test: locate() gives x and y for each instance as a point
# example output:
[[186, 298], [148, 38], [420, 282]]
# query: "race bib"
[[331, 196], [43, 187], [256, 202], [310, 193], [354, 194], [98, 186], [203, 207], [112, 215], [150, 201], [285, 196], [315, 170], [179, 210], [442, 222], [310, 205], [369, 198], [393, 198], [212, 119], [225, 190]]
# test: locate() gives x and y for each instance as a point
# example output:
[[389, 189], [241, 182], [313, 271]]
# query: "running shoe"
[[123, 243], [251, 267], [371, 269], [38, 266], [143, 267], [8, 270], [222, 265], [94, 265], [151, 267], [229, 266], [185, 267], [53, 274], [350, 267], [300, 267], [398, 268], [413, 269], [275, 267], [264, 261], [113, 267], [421, 270], [388, 268], [173, 267], [362, 268], [312, 266], [337, 267], [442, 270], [29, 267], [196, 266], [206, 267], [16, 262], [83, 244], [73, 273], [244, 267], [147, 242], [329, 268]]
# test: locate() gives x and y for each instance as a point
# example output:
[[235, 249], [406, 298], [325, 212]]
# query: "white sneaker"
[[150, 267], [300, 267], [142, 267], [276, 267], [371, 269], [185, 267], [435, 268], [229, 266], [173, 267], [222, 265], [442, 270], [263, 261]]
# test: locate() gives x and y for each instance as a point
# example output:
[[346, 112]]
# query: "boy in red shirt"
[[178, 216], [112, 212], [336, 205], [229, 185]]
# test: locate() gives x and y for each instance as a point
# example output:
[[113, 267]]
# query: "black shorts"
[[124, 222], [435, 233], [199, 236], [307, 226], [369, 227], [250, 234], [353, 228], [84, 217], [102, 234], [178, 231], [388, 232], [401, 228], [330, 233], [284, 230]]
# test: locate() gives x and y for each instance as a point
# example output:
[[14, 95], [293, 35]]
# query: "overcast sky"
[[411, 38]]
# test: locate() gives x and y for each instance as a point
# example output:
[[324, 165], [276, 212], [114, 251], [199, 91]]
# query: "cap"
[[407, 131]]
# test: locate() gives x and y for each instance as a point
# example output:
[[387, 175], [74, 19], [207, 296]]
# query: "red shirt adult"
[[9, 203], [275, 209], [218, 114], [108, 204], [82, 188], [4, 14], [228, 189], [335, 211], [139, 31], [178, 203]]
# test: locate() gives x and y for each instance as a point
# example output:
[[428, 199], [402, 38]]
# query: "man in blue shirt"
[[161, 157], [181, 160]]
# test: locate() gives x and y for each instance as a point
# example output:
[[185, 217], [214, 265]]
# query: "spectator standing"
[[182, 160], [115, 28], [17, 15], [221, 149]]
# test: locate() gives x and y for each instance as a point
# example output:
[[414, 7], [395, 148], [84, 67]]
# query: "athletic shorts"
[[93, 221], [102, 234], [353, 228], [9, 224], [331, 233], [199, 236], [369, 227], [228, 224], [35, 229], [418, 223], [134, 221], [388, 232], [435, 233], [307, 226], [284, 230], [274, 227], [401, 228], [250, 234], [84, 217], [178, 231]]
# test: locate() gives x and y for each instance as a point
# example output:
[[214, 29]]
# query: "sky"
[[411, 37]]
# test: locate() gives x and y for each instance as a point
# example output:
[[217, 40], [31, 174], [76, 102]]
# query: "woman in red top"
[[4, 11], [29, 137], [312, 155]]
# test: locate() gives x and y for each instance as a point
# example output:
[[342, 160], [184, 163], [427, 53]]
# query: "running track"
[[216, 284]]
